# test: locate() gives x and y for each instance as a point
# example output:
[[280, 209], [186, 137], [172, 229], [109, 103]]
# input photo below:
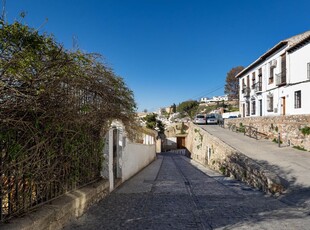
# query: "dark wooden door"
[[283, 105], [243, 110], [181, 142]]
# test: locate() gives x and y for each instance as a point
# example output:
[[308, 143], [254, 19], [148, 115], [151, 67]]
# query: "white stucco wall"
[[135, 157], [296, 78], [305, 95], [130, 157], [298, 64], [226, 115]]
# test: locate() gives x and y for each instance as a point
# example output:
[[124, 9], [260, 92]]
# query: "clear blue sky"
[[168, 51]]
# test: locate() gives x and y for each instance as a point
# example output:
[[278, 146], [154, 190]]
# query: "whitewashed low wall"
[[226, 115], [136, 157]]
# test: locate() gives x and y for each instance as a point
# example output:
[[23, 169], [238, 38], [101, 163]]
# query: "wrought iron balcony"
[[246, 91], [281, 79], [258, 87]]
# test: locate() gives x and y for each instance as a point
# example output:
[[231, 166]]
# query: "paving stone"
[[181, 195]]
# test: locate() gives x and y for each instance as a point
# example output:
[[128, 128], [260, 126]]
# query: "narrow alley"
[[175, 193]]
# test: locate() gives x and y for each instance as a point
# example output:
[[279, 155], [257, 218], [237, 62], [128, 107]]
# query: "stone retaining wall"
[[289, 128], [59, 212], [214, 153]]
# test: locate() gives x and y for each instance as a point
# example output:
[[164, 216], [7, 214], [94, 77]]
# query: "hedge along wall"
[[55, 106], [294, 129], [216, 154]]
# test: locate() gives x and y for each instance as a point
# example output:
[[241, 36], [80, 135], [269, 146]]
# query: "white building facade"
[[214, 99], [278, 82]]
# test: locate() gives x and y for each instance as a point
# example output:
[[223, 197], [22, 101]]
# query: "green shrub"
[[275, 140], [223, 170], [299, 148], [305, 130], [241, 128]]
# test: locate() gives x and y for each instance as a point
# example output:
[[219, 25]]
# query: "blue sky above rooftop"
[[168, 51]]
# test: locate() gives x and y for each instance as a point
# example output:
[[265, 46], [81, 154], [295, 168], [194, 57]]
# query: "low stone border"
[[245, 169], [60, 211], [210, 151], [268, 127]]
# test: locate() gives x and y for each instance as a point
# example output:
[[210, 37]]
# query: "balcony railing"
[[246, 91], [281, 78], [258, 87]]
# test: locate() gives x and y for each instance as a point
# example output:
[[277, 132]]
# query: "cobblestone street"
[[176, 193]]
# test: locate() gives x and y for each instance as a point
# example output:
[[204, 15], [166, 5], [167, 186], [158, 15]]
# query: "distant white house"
[[278, 82], [214, 99]]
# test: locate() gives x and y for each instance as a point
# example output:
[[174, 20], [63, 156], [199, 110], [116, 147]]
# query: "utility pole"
[[75, 45], [3, 14]]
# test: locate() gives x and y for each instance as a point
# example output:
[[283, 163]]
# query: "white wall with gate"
[[123, 158]]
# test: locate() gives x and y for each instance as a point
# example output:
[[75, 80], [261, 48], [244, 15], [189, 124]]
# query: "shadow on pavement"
[[295, 194], [185, 197]]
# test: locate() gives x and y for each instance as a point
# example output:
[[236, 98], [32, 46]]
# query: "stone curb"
[[60, 211]]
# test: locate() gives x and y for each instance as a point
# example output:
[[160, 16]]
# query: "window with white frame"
[[253, 80], [297, 99], [253, 109], [271, 74], [270, 102], [243, 85], [247, 108]]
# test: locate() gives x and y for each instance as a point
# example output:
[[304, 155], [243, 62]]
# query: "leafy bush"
[[241, 128], [55, 107], [299, 148], [275, 140], [305, 130]]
